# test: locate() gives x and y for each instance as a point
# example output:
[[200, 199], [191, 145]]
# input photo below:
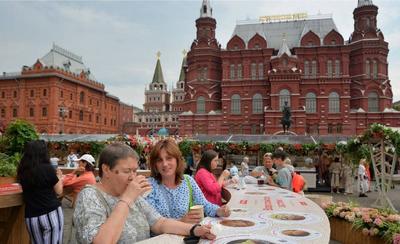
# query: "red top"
[[209, 186], [77, 183]]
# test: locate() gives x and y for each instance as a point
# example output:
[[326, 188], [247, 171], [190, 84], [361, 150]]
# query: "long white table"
[[264, 207]]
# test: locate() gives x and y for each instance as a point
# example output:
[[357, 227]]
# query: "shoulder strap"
[[190, 191]]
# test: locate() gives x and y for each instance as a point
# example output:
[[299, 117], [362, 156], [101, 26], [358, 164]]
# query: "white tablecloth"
[[262, 205]]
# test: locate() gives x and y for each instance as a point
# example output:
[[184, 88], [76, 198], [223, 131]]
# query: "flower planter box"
[[7, 180], [342, 231]]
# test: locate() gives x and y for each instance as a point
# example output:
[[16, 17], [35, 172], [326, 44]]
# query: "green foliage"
[[17, 134], [9, 164], [96, 148], [264, 148], [186, 147]]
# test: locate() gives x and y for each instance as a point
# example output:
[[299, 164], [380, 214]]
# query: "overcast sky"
[[119, 40]]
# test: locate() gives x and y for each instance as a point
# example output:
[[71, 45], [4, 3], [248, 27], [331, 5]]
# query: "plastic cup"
[[199, 209]]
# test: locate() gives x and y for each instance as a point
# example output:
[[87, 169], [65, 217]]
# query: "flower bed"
[[373, 225]]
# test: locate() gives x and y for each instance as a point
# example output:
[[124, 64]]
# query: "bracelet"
[[126, 202], [192, 229]]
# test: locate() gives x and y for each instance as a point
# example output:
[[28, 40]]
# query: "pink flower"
[[378, 222], [396, 239], [366, 218]]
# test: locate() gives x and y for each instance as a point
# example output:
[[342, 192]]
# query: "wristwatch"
[[192, 229]]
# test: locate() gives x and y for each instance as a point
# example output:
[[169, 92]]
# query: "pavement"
[[337, 197]]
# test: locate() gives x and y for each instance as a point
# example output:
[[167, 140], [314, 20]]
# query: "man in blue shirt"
[[284, 177]]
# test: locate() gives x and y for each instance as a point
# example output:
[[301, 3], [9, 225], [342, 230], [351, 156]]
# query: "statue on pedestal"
[[286, 118]]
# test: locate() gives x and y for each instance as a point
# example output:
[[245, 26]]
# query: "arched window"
[[337, 68], [311, 103], [375, 69], [232, 72], [253, 71], [81, 97], [257, 104], [235, 104], [201, 105], [373, 102], [334, 103], [329, 68], [284, 96], [239, 71], [367, 68], [260, 71], [314, 68], [306, 69], [81, 115]]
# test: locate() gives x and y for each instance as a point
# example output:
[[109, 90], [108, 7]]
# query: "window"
[[314, 68], [367, 68], [311, 103], [15, 94], [70, 114], [201, 105], [3, 94], [334, 103], [257, 104], [337, 68], [105, 121], [260, 71], [3, 112], [31, 112], [373, 102], [81, 97], [306, 68], [32, 93], [44, 112], [329, 68], [70, 96], [61, 94], [15, 112], [374, 69], [232, 72], [235, 104], [81, 115], [44, 92], [239, 71], [284, 96], [253, 71], [98, 119]]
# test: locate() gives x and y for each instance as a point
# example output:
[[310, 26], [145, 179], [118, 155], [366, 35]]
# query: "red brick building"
[[59, 95], [332, 85]]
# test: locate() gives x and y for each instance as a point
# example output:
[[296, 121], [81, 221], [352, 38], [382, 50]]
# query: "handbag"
[[191, 202], [226, 195]]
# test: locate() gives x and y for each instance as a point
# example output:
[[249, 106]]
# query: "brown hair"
[[172, 149], [206, 158]]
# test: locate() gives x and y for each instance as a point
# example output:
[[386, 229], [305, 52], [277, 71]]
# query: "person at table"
[[284, 176], [205, 179], [173, 192], [72, 158], [267, 169], [362, 178], [41, 183], [244, 166], [81, 176], [114, 211]]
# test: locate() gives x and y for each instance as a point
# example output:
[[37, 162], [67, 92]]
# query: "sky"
[[118, 40]]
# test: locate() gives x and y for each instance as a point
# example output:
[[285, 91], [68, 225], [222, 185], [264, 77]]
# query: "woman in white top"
[[362, 178]]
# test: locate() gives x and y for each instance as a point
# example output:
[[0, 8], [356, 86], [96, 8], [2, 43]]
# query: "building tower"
[[204, 73], [370, 85], [157, 97], [178, 94]]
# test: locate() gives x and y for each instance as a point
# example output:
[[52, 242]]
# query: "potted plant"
[[16, 135]]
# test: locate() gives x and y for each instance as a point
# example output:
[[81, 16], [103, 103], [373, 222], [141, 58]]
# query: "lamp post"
[[63, 111]]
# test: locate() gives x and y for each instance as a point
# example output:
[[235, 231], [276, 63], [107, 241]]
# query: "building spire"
[[183, 66], [284, 48], [158, 75], [206, 10], [364, 3]]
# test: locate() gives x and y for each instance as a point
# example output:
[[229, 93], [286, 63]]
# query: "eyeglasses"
[[125, 171]]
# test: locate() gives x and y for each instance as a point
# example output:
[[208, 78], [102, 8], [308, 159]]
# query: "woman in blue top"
[[171, 189]]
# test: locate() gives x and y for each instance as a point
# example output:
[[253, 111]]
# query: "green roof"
[[158, 75], [182, 74]]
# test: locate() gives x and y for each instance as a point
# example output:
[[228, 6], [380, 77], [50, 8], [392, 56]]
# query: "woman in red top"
[[209, 185], [81, 176]]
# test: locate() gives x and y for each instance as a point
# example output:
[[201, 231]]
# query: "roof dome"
[[163, 132]]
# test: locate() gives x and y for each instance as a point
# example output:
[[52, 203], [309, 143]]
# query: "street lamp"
[[63, 111]]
